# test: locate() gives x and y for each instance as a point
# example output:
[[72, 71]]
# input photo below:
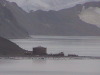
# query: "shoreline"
[[48, 57]]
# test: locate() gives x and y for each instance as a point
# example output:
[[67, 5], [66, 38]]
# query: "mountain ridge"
[[47, 5], [9, 27], [65, 22]]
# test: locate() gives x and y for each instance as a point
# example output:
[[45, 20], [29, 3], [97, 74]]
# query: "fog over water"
[[85, 46], [89, 46], [49, 67]]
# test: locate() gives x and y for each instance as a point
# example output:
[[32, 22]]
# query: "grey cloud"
[[47, 4]]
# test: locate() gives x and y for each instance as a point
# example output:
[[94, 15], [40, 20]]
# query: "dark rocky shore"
[[8, 48]]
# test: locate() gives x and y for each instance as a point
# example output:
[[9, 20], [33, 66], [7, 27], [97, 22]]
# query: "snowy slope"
[[91, 15]]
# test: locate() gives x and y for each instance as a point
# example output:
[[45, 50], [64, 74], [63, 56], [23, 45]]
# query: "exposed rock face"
[[9, 27], [8, 48]]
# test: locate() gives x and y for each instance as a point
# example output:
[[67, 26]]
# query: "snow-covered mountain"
[[28, 5]]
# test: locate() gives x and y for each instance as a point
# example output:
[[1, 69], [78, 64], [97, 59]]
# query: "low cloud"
[[47, 4], [91, 15]]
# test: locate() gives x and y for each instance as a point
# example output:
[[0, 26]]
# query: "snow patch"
[[91, 15]]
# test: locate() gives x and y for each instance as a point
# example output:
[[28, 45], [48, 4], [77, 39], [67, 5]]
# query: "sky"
[[46, 5]]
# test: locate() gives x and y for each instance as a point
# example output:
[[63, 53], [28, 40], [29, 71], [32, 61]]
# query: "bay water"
[[82, 46], [26, 66]]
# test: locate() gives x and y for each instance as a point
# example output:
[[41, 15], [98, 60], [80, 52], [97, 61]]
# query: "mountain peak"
[[65, 22], [46, 5]]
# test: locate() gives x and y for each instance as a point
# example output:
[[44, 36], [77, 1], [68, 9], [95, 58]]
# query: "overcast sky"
[[47, 4]]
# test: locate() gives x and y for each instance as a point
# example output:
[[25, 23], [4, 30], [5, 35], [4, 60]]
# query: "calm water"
[[89, 46], [49, 67]]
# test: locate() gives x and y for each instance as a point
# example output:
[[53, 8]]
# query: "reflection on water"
[[39, 61], [49, 67]]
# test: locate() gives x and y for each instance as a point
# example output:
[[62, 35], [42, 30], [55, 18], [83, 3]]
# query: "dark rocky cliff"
[[8, 48]]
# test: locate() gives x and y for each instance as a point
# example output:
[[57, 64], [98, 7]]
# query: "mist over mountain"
[[9, 27], [67, 22], [64, 22], [91, 14], [46, 5]]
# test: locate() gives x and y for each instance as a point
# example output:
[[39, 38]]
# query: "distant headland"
[[42, 52]]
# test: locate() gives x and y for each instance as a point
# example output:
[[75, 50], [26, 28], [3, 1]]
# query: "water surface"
[[49, 67], [83, 45]]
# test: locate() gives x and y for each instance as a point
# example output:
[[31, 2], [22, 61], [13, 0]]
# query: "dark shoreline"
[[47, 57]]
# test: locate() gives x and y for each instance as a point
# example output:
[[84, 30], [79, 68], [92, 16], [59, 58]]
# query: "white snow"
[[91, 15]]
